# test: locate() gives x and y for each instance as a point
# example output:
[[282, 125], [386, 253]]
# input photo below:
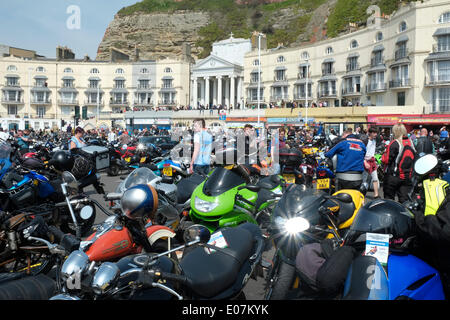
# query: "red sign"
[[391, 119]]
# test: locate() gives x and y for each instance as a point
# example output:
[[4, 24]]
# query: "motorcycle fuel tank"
[[115, 243]]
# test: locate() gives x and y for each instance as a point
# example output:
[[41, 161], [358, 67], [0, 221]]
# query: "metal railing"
[[12, 101], [376, 86], [67, 101], [399, 83], [441, 47], [41, 101], [401, 53], [279, 97], [352, 67], [325, 94], [376, 61], [167, 102], [440, 78], [350, 90]]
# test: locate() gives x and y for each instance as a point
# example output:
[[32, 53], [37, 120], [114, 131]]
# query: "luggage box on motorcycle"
[[99, 155], [289, 157]]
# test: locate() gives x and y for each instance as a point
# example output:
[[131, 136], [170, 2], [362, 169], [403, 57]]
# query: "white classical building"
[[218, 79]]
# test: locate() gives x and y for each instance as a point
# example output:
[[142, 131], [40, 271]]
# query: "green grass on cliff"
[[354, 11], [242, 20]]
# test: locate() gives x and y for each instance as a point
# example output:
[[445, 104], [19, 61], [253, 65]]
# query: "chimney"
[[64, 53], [86, 58], [136, 53], [254, 40]]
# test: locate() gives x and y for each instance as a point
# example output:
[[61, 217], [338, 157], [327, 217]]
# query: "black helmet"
[[386, 217], [62, 161], [81, 166]]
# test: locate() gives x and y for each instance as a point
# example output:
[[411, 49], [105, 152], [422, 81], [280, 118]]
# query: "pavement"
[[254, 289]]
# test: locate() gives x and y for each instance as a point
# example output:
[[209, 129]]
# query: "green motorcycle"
[[228, 198]]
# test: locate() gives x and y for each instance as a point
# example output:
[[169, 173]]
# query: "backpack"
[[405, 161]]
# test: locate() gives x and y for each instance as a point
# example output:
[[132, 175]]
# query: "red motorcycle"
[[119, 235], [121, 157]]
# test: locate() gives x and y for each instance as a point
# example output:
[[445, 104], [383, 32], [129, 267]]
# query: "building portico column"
[[232, 94], [194, 94], [227, 91], [206, 91], [239, 92], [219, 91]]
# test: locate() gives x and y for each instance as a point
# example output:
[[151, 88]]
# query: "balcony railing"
[[301, 75], [255, 99], [302, 96], [42, 116], [326, 72], [376, 86], [167, 102], [280, 78], [441, 48], [327, 94], [67, 101], [12, 84], [279, 97], [12, 100], [438, 78], [353, 67], [143, 103], [399, 83], [119, 102], [351, 91], [401, 53], [41, 101], [376, 61], [93, 103]]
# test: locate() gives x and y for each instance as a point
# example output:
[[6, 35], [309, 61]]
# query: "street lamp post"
[[306, 93], [259, 76]]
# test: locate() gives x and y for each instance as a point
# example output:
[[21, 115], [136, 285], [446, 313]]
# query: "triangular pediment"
[[213, 62]]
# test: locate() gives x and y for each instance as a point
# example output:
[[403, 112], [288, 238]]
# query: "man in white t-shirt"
[[4, 135], [369, 161], [112, 136]]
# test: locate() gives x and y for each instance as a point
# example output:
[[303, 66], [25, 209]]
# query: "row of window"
[[13, 68]]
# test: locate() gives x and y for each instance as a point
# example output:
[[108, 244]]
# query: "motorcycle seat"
[[346, 211], [186, 186], [269, 182], [211, 273]]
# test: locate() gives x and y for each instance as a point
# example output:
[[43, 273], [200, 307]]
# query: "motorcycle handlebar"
[[171, 276]]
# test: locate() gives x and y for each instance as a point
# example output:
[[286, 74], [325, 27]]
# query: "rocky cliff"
[[160, 27]]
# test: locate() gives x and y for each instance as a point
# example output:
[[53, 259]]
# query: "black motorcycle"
[[205, 271]]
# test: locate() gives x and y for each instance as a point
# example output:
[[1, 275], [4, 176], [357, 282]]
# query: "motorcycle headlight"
[[76, 263], [105, 278], [294, 225], [204, 206]]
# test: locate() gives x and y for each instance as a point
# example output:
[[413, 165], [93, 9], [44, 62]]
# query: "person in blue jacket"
[[350, 153]]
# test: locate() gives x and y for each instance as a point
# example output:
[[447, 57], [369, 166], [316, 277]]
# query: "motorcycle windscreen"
[[220, 181], [366, 280], [139, 176], [300, 202]]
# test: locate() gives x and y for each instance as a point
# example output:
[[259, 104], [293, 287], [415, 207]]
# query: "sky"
[[42, 25]]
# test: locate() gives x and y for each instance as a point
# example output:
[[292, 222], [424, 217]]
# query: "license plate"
[[167, 171], [290, 178], [128, 159], [229, 167], [143, 159], [323, 183]]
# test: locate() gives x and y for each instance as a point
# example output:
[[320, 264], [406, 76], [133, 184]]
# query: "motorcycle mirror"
[[425, 164], [344, 197], [86, 212], [196, 232]]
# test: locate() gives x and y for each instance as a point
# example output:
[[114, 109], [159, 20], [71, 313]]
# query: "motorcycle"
[[121, 157], [120, 235], [303, 216], [325, 177], [290, 161], [227, 198], [209, 269]]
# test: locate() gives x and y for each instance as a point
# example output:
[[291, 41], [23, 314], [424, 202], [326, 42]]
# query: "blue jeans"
[[201, 169]]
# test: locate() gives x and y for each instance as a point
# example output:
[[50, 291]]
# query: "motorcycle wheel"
[[280, 281], [33, 263], [113, 170]]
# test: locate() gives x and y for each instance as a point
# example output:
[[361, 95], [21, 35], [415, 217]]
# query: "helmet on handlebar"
[[138, 201], [62, 161], [383, 216]]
